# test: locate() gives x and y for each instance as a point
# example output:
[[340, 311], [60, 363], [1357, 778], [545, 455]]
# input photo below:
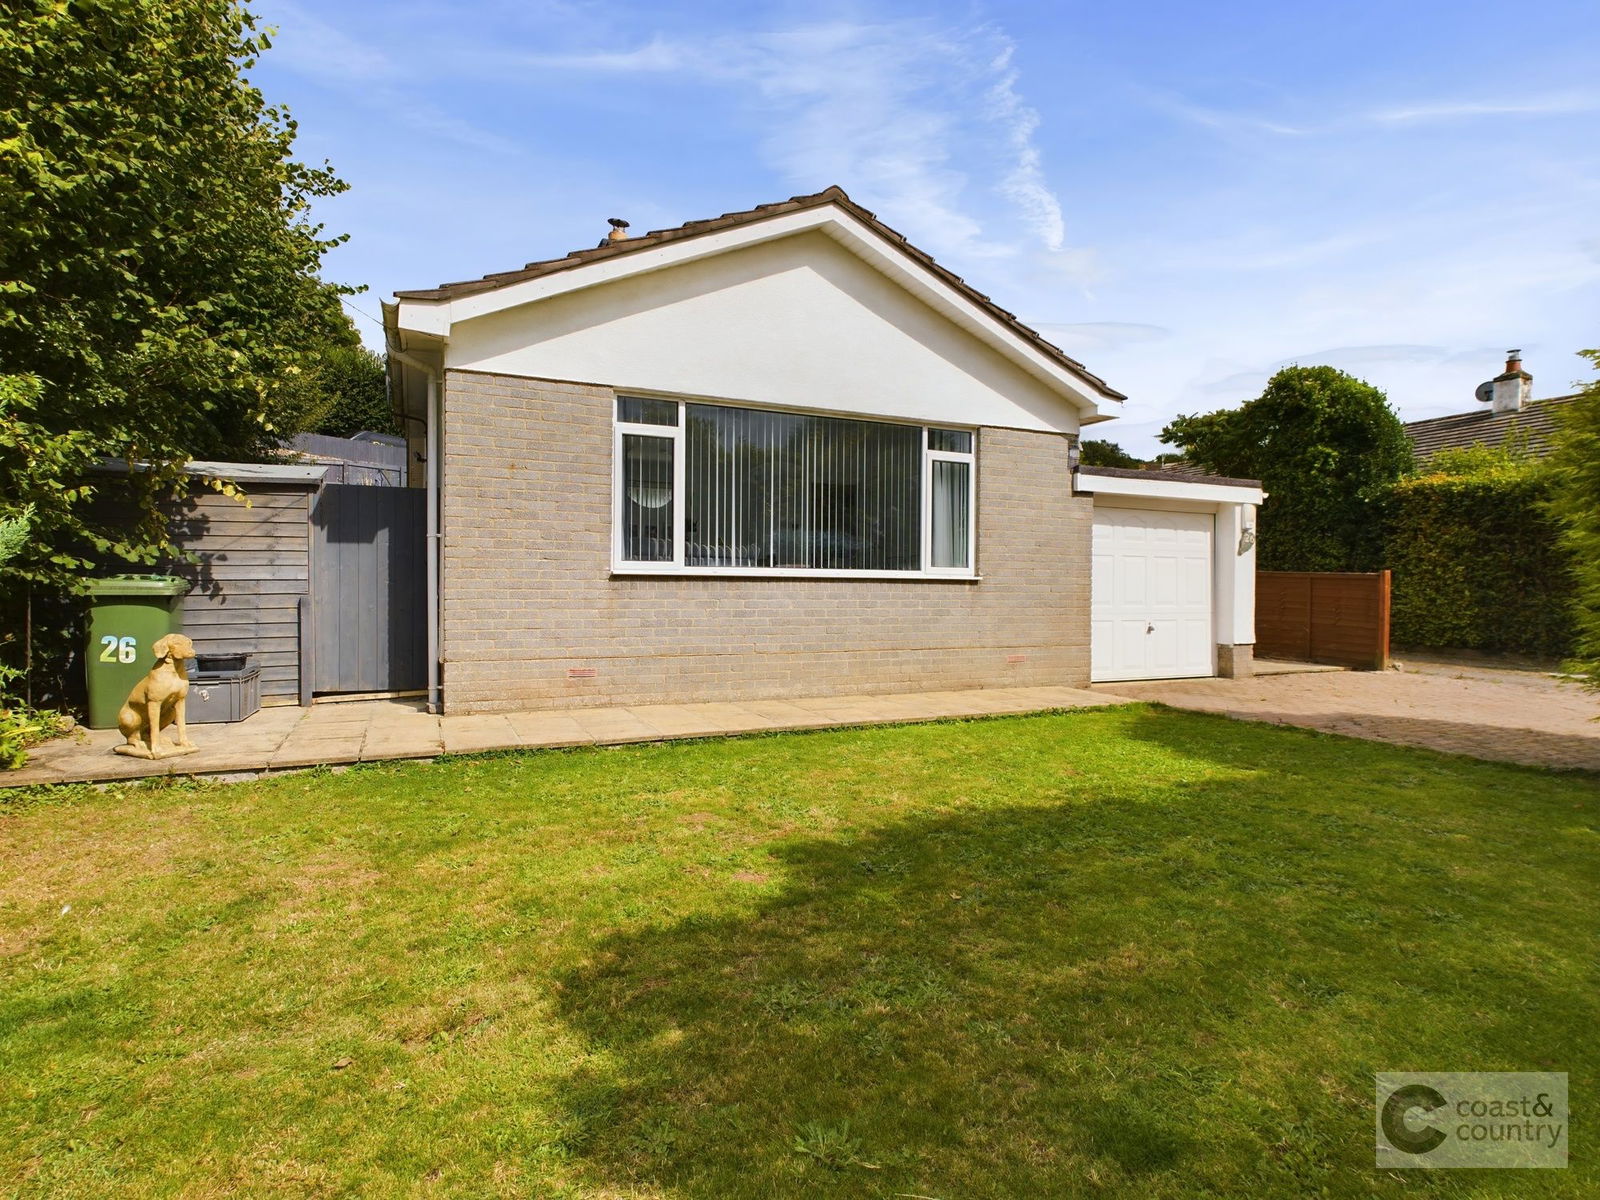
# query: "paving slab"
[[688, 720], [614, 725], [785, 714], [463, 735], [538, 729]]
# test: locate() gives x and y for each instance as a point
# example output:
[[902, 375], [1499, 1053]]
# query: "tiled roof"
[[1530, 429], [832, 195]]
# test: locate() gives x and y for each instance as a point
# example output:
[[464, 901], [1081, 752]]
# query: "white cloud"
[[1534, 106], [887, 110], [1417, 113], [655, 55], [1025, 183]]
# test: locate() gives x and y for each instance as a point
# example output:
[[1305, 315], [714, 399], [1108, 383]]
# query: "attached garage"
[[1172, 589], [1151, 594]]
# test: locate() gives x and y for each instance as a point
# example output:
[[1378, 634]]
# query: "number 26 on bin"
[[123, 650]]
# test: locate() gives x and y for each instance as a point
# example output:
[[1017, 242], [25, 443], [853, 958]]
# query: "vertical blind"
[[770, 489]]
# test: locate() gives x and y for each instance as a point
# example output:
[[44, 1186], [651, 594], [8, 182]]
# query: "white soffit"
[[436, 317]]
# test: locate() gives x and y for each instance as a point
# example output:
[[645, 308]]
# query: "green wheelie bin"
[[128, 615]]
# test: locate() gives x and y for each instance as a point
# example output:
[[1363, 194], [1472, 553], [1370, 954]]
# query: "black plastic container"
[[214, 664]]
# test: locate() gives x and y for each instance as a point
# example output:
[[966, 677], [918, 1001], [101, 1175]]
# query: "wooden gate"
[[368, 589], [1324, 617]]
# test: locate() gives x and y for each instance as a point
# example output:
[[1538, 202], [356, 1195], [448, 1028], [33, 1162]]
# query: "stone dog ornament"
[[157, 701]]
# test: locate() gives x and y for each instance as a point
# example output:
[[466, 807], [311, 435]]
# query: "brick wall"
[[528, 594]]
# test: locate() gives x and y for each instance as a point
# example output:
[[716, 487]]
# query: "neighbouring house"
[[1509, 419], [782, 452]]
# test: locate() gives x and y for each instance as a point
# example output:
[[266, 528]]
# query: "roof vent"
[[618, 230]]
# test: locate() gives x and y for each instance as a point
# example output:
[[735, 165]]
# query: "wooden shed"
[[253, 568]]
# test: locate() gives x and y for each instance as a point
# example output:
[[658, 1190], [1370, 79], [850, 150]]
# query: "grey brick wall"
[[528, 594]]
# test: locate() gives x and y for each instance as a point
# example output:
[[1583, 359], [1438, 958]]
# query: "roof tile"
[[1531, 428]]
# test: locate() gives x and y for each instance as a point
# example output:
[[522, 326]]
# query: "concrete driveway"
[[1520, 716]]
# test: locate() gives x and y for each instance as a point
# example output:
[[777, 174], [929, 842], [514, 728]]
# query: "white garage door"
[[1151, 598]]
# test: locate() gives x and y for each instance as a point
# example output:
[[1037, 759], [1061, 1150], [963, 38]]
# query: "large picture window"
[[710, 487]]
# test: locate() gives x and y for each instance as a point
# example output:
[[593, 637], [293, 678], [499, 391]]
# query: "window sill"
[[636, 570]]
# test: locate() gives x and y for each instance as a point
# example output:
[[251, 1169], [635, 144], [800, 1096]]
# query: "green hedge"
[[1477, 559]]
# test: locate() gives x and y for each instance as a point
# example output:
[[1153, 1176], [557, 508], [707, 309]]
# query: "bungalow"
[[1512, 420], [783, 452]]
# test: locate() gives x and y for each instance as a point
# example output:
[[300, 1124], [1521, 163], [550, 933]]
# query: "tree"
[[1326, 447], [159, 290], [1097, 452], [1576, 463], [350, 382]]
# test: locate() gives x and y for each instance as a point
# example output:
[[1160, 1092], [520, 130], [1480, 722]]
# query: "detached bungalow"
[[782, 452]]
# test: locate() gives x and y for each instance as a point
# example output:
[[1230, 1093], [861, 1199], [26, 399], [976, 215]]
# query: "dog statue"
[[158, 701]]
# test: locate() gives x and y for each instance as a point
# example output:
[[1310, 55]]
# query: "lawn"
[[1119, 953]]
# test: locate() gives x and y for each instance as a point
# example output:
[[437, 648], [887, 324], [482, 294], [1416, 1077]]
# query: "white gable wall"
[[795, 323]]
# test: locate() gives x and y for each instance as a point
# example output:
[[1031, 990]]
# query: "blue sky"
[[1183, 196]]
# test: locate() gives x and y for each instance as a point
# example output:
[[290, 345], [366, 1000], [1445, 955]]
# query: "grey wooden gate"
[[368, 589]]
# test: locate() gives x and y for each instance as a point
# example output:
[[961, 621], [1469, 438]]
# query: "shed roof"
[[691, 229], [302, 474]]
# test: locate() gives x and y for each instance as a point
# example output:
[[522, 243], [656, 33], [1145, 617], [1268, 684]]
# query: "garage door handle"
[[1149, 628]]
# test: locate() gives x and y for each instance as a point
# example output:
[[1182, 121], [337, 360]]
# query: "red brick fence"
[[1324, 617]]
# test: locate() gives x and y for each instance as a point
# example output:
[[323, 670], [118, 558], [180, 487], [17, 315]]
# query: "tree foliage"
[[1576, 503], [1326, 447], [1098, 452], [354, 394], [159, 290]]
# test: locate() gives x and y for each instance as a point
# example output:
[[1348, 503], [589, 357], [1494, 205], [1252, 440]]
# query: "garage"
[[1151, 594], [1172, 582]]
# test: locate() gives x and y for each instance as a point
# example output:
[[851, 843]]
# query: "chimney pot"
[[1510, 391]]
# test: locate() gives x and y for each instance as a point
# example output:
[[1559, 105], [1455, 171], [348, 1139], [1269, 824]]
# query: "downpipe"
[[431, 502]]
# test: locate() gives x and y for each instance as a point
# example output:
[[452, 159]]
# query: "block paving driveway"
[[1519, 716]]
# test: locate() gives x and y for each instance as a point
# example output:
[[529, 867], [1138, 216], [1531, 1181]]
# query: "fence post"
[[1383, 619]]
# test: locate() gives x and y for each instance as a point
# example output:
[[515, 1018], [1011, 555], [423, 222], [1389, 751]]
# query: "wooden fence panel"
[[1283, 615], [369, 598], [1339, 618]]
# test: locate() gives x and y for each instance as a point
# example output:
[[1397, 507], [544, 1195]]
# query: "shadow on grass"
[[1174, 987]]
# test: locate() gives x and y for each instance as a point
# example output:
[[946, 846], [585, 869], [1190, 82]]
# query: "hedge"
[[1478, 561]]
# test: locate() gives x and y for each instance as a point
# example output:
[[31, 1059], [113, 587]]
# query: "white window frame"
[[929, 457], [667, 433], [676, 435]]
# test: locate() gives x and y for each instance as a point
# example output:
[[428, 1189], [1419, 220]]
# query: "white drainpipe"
[[431, 473]]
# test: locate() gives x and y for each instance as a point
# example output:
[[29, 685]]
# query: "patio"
[[332, 734]]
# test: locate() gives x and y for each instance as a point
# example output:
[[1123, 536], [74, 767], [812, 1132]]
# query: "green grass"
[[1123, 953]]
